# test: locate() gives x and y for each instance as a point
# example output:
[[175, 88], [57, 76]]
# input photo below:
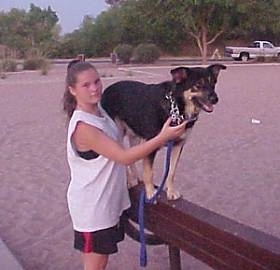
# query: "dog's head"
[[195, 87]]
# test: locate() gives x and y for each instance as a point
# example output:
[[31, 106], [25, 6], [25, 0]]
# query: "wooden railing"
[[220, 242]]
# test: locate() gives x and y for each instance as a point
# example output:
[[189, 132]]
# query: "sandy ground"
[[229, 165]]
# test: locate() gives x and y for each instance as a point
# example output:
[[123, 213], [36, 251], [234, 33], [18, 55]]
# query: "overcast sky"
[[70, 13]]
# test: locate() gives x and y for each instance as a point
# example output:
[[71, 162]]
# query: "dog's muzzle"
[[207, 103], [214, 99]]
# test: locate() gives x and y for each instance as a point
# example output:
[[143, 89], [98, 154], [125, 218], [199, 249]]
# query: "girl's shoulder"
[[88, 118]]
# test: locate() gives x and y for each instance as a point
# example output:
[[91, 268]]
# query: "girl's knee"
[[94, 261]]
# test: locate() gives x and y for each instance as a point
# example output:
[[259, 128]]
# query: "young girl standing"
[[97, 194]]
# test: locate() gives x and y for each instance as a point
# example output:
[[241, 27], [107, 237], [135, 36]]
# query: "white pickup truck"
[[259, 48]]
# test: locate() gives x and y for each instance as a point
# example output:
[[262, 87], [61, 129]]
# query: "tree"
[[13, 30], [40, 24], [166, 22], [35, 29], [206, 20], [160, 25], [134, 22], [203, 20], [264, 24], [171, 23], [113, 2], [100, 35]]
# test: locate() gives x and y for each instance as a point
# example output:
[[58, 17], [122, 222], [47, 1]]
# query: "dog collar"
[[176, 117]]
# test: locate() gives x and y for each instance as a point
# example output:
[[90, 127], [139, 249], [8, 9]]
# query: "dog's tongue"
[[208, 107]]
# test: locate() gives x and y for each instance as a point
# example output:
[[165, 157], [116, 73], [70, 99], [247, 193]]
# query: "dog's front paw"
[[173, 194], [150, 192]]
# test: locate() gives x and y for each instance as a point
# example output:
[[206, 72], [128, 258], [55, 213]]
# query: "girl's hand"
[[172, 132]]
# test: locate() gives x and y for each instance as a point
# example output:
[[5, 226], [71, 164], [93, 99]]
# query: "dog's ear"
[[180, 74], [215, 69]]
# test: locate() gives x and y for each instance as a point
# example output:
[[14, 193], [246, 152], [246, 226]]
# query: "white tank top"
[[97, 193]]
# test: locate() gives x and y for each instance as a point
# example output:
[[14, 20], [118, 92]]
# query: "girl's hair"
[[74, 68]]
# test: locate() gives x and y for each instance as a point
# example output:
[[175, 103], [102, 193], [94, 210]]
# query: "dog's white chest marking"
[[190, 108]]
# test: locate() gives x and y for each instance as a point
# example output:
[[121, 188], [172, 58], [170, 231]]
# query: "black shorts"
[[101, 242]]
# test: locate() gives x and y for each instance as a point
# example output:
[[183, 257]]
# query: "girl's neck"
[[94, 109]]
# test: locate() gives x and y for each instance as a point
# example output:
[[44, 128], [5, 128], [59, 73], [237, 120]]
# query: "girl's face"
[[88, 89]]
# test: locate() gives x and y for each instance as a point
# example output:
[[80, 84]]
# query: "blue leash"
[[143, 199]]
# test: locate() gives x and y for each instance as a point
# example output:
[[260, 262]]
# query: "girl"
[[97, 194]]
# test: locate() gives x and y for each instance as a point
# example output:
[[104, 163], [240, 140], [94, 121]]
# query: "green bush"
[[8, 65], [32, 63], [146, 53], [124, 52], [35, 63]]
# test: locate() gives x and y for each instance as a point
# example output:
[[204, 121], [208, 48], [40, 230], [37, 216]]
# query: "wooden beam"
[[218, 241]]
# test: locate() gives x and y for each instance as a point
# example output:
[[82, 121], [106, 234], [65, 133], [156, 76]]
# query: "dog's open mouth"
[[206, 106]]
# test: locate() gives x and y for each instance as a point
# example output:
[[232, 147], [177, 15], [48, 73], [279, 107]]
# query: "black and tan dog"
[[141, 109]]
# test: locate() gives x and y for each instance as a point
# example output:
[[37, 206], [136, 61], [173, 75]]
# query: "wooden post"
[[174, 258]]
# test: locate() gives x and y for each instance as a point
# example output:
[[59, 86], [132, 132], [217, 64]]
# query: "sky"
[[69, 12]]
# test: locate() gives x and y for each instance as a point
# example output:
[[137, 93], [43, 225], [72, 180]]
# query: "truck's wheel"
[[244, 57], [278, 57]]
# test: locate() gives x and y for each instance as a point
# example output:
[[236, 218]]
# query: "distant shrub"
[[32, 63], [124, 52], [35, 63], [146, 53], [267, 59], [260, 59], [8, 65]]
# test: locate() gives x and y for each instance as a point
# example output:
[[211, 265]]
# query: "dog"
[[140, 110]]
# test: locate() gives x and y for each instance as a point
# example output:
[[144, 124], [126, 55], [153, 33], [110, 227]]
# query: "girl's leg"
[[94, 261]]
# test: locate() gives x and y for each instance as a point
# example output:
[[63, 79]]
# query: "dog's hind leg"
[[148, 175], [172, 193], [132, 175]]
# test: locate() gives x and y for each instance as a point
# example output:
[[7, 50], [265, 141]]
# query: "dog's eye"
[[213, 81], [198, 86]]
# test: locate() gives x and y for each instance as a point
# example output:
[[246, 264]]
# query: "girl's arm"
[[87, 137]]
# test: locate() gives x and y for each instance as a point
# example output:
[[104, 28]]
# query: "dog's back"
[[138, 105]]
